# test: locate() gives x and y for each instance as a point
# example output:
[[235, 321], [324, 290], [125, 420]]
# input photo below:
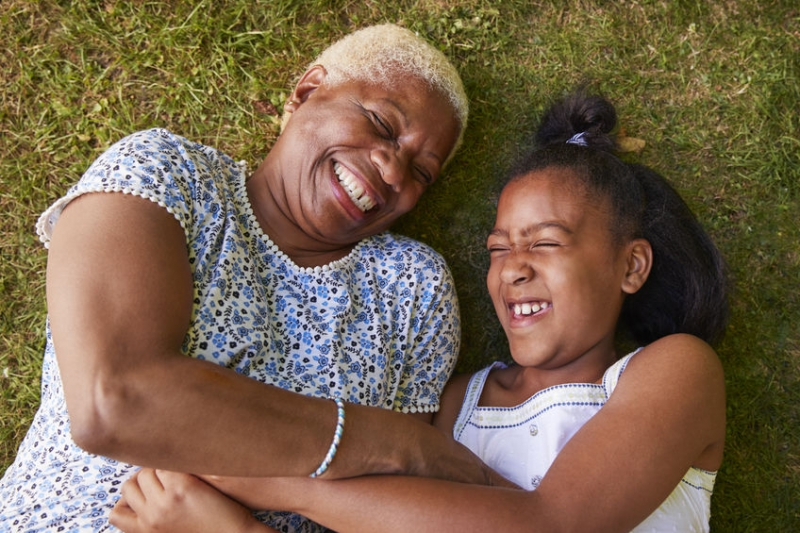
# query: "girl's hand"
[[162, 501]]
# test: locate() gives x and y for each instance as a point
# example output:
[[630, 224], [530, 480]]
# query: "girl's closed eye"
[[496, 246]]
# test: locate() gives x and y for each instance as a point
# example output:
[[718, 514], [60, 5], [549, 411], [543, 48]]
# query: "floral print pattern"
[[378, 327]]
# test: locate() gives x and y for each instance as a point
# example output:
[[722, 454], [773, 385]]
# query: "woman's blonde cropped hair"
[[379, 54]]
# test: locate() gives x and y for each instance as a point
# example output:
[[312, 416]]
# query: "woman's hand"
[[159, 500]]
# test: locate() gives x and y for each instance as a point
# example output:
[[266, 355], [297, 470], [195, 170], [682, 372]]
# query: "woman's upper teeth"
[[529, 308], [353, 188]]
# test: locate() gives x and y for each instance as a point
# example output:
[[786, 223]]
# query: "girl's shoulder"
[[678, 380], [668, 359], [677, 354], [672, 365]]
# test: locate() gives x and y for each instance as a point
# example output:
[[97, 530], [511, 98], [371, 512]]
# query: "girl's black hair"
[[686, 291]]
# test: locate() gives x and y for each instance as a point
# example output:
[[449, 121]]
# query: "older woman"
[[279, 283]]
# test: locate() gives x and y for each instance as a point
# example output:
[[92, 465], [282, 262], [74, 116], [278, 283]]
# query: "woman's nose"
[[391, 165]]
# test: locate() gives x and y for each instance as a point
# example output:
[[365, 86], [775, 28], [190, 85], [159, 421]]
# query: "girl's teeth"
[[528, 308]]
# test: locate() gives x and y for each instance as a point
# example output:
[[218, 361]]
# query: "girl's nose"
[[516, 269]]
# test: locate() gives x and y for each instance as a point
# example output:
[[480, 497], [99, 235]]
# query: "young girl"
[[585, 246]]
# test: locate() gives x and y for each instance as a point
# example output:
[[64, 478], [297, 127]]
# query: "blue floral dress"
[[378, 327]]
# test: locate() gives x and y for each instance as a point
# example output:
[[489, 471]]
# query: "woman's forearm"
[[186, 415], [181, 414]]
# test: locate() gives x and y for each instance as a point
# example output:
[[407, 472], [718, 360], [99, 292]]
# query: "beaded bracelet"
[[337, 438]]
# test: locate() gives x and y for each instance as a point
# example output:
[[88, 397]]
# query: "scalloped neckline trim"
[[241, 191]]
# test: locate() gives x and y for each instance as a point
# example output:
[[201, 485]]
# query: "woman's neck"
[[302, 249]]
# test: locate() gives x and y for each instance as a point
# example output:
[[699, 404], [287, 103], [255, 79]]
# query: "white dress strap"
[[614, 372], [472, 396]]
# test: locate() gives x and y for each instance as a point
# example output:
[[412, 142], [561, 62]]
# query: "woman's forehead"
[[401, 89]]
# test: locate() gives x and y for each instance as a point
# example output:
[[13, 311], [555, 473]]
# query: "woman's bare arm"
[[119, 293]]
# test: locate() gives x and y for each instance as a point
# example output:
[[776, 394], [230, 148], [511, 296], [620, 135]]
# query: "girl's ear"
[[640, 261]]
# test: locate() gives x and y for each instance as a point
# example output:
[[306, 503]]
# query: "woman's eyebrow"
[[400, 111]]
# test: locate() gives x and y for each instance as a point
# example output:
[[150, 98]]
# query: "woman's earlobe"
[[640, 261]]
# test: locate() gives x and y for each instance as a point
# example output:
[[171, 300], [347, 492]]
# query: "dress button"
[[535, 480], [534, 430]]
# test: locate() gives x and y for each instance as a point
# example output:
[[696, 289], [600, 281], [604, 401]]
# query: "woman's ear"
[[309, 82], [639, 261]]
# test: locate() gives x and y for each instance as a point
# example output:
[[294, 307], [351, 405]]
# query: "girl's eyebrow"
[[533, 228]]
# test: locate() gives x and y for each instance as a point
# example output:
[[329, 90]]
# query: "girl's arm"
[[161, 501], [666, 414], [119, 294]]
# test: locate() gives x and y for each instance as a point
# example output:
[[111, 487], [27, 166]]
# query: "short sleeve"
[[436, 327], [153, 164]]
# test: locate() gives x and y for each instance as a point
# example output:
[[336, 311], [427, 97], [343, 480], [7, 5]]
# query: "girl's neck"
[[513, 385]]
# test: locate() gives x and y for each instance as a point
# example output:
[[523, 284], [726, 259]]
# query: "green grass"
[[713, 88]]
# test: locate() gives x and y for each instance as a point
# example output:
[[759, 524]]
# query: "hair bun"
[[579, 113]]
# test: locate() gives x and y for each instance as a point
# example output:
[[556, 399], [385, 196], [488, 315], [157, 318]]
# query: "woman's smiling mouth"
[[353, 188]]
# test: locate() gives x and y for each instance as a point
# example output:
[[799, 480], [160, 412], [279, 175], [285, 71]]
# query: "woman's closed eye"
[[424, 176], [385, 130], [383, 126]]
